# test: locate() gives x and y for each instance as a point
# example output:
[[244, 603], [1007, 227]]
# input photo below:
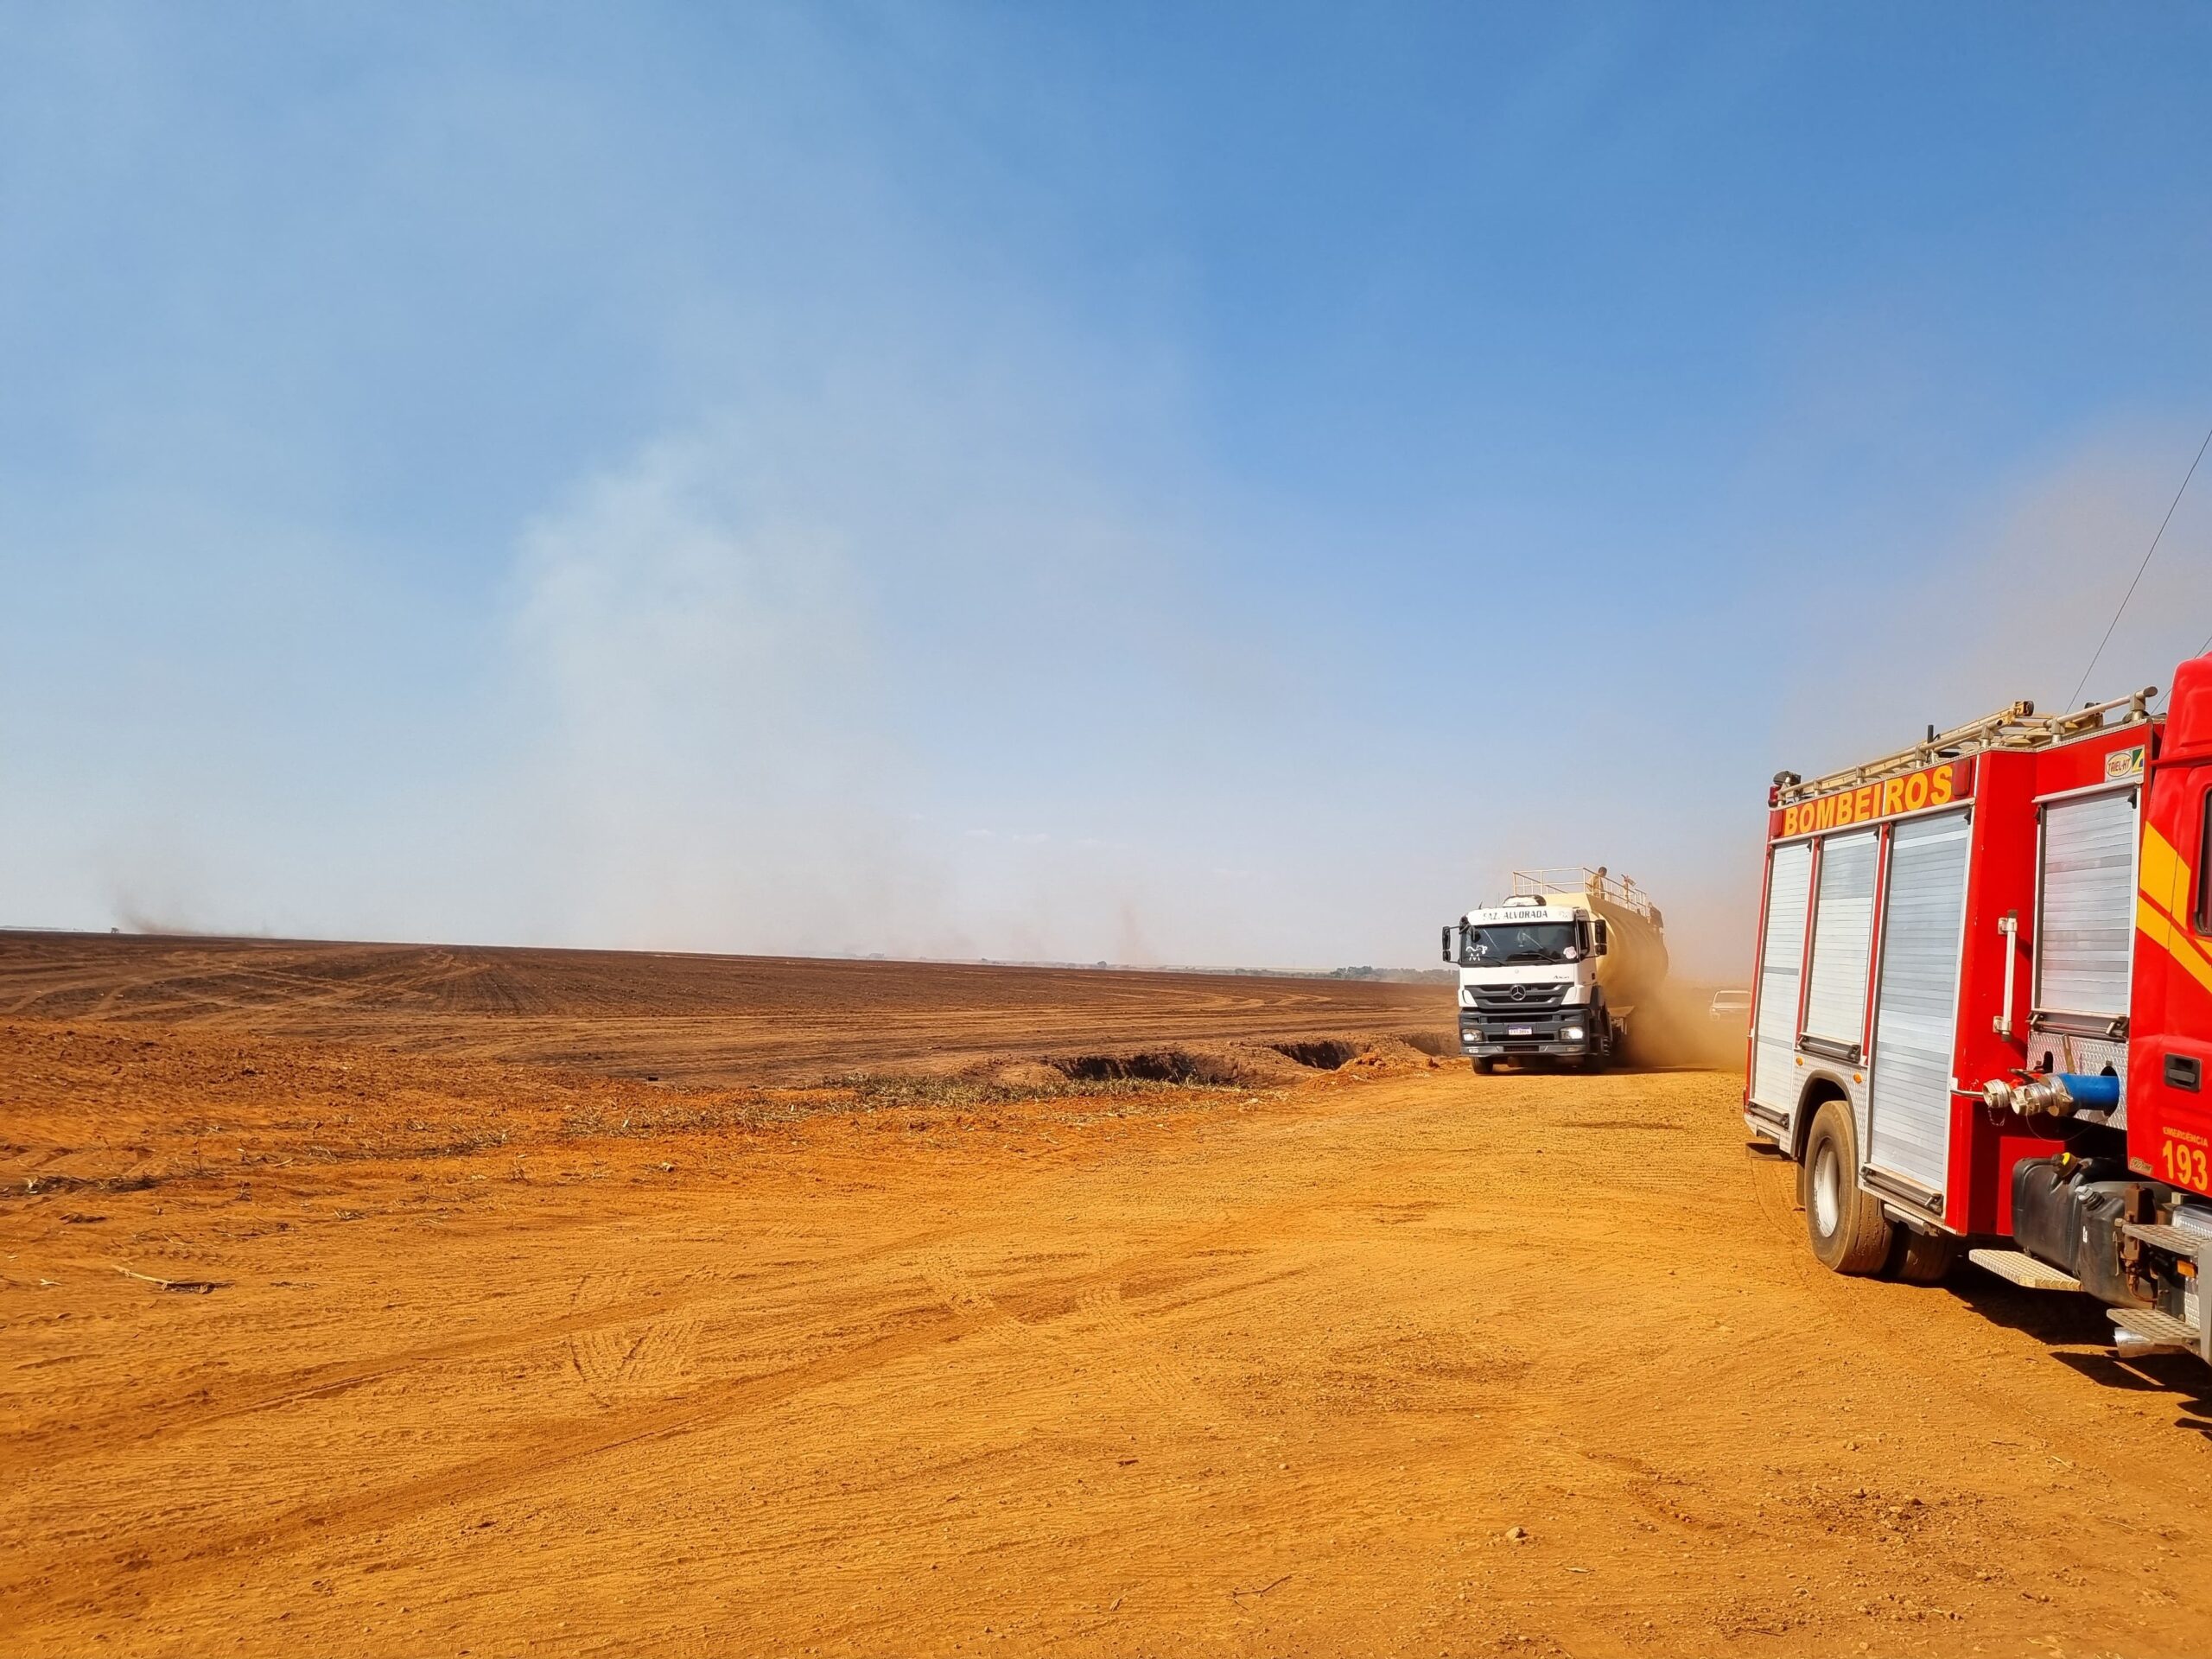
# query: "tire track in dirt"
[[1111, 1328], [590, 1314], [635, 1355], [154, 1419], [165, 1560], [1095, 1324], [615, 1333]]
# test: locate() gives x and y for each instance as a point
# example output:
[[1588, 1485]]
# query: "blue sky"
[[1169, 483]]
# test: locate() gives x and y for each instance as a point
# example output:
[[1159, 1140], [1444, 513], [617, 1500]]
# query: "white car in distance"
[[1732, 1006]]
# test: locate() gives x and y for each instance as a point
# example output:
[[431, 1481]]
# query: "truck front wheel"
[[1484, 1068], [1843, 1221], [1601, 1046]]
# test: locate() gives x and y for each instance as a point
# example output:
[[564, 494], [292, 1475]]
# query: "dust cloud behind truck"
[[1557, 971]]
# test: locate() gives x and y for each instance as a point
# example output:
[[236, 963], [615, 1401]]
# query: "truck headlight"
[[1573, 1033]]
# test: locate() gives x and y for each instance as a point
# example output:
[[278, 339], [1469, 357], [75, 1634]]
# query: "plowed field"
[[688, 1018], [358, 1300]]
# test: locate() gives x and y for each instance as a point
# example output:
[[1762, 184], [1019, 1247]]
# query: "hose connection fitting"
[[2059, 1095]]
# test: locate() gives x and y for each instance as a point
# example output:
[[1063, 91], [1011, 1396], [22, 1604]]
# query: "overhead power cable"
[[2075, 699]]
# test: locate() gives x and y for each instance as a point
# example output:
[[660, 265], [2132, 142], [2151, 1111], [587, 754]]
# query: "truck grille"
[[1513, 999], [1541, 1016]]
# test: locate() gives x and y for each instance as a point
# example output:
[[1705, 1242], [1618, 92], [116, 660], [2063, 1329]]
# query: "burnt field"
[[715, 1021]]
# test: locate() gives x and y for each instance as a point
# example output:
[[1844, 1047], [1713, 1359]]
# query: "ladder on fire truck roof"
[[2015, 726], [1581, 878]]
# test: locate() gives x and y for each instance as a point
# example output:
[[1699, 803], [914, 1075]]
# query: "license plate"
[[1520, 1031]]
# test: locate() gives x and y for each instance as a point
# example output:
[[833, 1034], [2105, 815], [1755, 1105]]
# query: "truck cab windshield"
[[1522, 941]]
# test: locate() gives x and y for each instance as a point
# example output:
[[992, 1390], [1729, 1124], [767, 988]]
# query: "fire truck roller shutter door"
[[2088, 932], [1843, 938], [1916, 1009], [1781, 952]]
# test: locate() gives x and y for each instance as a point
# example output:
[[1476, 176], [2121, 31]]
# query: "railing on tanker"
[[1581, 878]]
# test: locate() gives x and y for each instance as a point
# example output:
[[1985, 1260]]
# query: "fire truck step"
[[2024, 1270], [2154, 1326], [2174, 1240]]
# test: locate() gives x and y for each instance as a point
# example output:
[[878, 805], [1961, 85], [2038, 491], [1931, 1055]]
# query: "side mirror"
[[1598, 945], [1449, 953]]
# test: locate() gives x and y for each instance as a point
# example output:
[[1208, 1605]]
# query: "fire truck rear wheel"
[[1843, 1221], [1924, 1258]]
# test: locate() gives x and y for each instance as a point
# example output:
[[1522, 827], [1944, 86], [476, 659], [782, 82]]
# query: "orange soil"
[[1399, 1360]]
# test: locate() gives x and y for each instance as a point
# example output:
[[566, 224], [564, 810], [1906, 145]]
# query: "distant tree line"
[[1395, 976]]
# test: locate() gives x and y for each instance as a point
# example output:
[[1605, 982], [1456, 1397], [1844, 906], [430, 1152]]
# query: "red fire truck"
[[1982, 1014]]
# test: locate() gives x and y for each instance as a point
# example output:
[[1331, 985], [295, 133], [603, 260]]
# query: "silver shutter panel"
[[2088, 927], [1914, 1017], [1781, 957], [1843, 937]]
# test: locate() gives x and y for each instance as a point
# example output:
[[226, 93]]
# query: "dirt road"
[[1401, 1361]]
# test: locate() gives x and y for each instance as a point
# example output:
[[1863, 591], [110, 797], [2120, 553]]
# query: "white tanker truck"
[[1555, 972]]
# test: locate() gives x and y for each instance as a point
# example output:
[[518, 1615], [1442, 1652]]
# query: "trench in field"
[[1149, 1065], [1189, 1066], [1323, 1054]]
